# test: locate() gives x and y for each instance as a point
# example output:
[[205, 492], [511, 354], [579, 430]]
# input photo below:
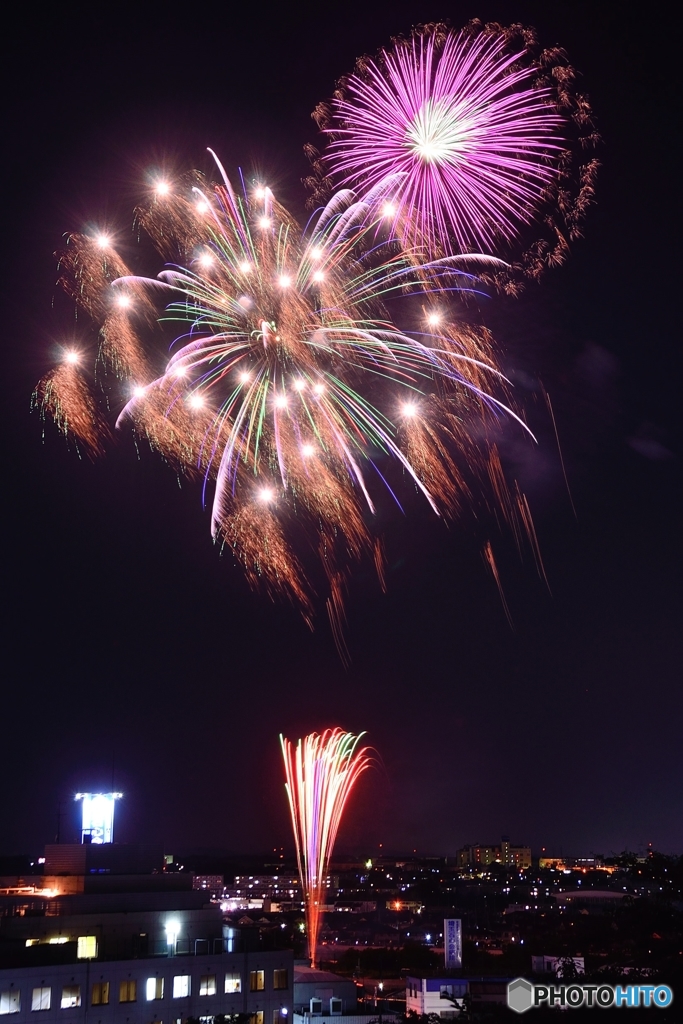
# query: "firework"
[[64, 396], [321, 771], [292, 391], [473, 132]]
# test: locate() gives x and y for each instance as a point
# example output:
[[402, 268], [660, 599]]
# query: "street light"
[[172, 933]]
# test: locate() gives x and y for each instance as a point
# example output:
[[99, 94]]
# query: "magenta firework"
[[471, 131]]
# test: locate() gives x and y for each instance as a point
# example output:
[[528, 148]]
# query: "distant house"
[[556, 964]]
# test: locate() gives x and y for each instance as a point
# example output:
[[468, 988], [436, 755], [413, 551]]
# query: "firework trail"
[[476, 132], [321, 771], [292, 393]]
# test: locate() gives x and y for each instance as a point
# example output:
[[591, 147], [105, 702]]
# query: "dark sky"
[[128, 639]]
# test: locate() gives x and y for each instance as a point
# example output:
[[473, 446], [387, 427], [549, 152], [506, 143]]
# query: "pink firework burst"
[[462, 130]]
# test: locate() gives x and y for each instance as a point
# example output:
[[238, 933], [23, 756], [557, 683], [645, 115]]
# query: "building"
[[507, 854], [321, 993], [150, 989], [515, 856], [445, 997], [596, 899], [328, 997], [213, 884], [274, 887], [595, 863], [112, 945], [557, 965], [264, 892], [440, 996], [470, 856]]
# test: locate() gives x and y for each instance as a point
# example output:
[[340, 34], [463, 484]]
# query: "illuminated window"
[[32, 942], [154, 989], [280, 979], [257, 981], [181, 986], [233, 982], [10, 1001], [128, 991], [71, 997], [257, 1018], [41, 998], [87, 947], [59, 940], [100, 993], [207, 985]]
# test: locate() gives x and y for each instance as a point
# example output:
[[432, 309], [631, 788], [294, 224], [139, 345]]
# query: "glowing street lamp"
[[172, 933]]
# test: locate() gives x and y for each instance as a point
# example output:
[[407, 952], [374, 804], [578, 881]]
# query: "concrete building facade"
[[150, 991]]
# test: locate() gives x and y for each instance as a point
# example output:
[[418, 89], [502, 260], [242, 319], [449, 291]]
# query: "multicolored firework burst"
[[474, 132], [292, 391], [321, 771]]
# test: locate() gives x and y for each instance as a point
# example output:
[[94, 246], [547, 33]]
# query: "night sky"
[[130, 642]]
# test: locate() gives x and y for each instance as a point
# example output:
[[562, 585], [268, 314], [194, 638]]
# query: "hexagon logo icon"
[[520, 995]]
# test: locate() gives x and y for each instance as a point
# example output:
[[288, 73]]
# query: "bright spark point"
[[179, 371], [281, 402], [319, 389], [123, 301], [430, 151], [202, 206], [245, 377], [409, 409], [318, 276], [246, 267], [104, 241], [264, 222], [206, 259], [266, 494], [388, 210], [162, 188], [299, 384], [316, 252], [260, 193], [307, 450], [433, 319], [285, 281], [71, 357], [138, 391], [195, 401]]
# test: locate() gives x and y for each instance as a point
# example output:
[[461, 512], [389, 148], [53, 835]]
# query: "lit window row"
[[86, 945], [150, 989], [257, 980]]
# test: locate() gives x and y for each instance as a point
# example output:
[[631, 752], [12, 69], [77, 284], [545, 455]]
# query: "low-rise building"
[[558, 965], [322, 993], [440, 996], [109, 945], [446, 997]]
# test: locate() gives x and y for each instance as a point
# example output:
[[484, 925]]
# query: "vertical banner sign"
[[452, 942]]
